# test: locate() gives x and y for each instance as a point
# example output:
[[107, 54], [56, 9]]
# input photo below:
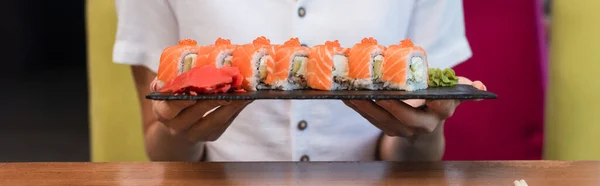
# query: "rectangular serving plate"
[[462, 92]]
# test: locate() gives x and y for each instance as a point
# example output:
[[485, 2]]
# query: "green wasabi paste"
[[442, 78]]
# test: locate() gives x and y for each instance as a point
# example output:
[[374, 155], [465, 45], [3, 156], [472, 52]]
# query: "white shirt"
[[268, 130]]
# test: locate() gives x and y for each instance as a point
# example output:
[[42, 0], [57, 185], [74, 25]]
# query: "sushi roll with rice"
[[254, 60], [364, 61], [327, 67], [405, 67], [175, 60], [290, 66], [219, 54]]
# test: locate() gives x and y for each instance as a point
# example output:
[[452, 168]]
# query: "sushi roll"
[[269, 67], [327, 67], [290, 66], [175, 60], [405, 67], [253, 61], [364, 61], [219, 54]]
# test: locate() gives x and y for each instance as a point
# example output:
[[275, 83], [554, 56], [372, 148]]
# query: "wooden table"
[[536, 173]]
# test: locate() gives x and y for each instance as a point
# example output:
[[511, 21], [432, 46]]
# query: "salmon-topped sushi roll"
[[364, 62], [253, 59], [269, 67], [219, 54], [327, 67], [405, 67], [290, 66], [175, 60]]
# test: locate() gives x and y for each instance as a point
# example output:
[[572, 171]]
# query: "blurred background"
[[60, 102], [45, 86]]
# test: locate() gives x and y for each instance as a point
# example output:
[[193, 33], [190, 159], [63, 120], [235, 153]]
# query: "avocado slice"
[[262, 71], [188, 61], [296, 66], [227, 62], [377, 68], [377, 65]]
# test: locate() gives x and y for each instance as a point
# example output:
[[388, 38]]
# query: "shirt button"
[[304, 158], [302, 125], [301, 12]]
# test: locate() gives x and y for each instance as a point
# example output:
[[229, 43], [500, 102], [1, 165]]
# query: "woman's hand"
[[190, 119], [407, 118], [176, 130]]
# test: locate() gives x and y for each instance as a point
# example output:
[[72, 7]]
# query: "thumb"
[[444, 109]]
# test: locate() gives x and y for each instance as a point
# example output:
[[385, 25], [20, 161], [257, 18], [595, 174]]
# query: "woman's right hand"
[[189, 119]]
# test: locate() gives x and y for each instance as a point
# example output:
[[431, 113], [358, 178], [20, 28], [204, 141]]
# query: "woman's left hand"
[[407, 118]]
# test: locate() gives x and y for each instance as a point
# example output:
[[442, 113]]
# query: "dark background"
[[44, 82]]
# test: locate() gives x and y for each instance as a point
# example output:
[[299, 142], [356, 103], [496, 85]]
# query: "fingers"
[[410, 116], [167, 110], [220, 130], [477, 84], [464, 81], [211, 126], [186, 118], [379, 117], [444, 109]]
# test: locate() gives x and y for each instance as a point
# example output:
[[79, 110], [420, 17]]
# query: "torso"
[[268, 130]]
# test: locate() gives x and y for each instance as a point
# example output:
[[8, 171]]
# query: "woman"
[[291, 130]]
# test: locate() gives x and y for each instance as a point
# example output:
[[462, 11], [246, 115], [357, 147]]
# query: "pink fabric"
[[509, 57]]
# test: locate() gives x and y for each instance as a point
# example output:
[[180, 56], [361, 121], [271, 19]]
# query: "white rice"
[[287, 86], [340, 65], [254, 79], [223, 56]]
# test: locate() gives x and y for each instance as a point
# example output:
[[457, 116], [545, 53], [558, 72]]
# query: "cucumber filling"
[[227, 61], [187, 62], [262, 68], [377, 64], [298, 64], [417, 72]]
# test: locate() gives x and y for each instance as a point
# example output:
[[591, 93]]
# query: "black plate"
[[456, 92]]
